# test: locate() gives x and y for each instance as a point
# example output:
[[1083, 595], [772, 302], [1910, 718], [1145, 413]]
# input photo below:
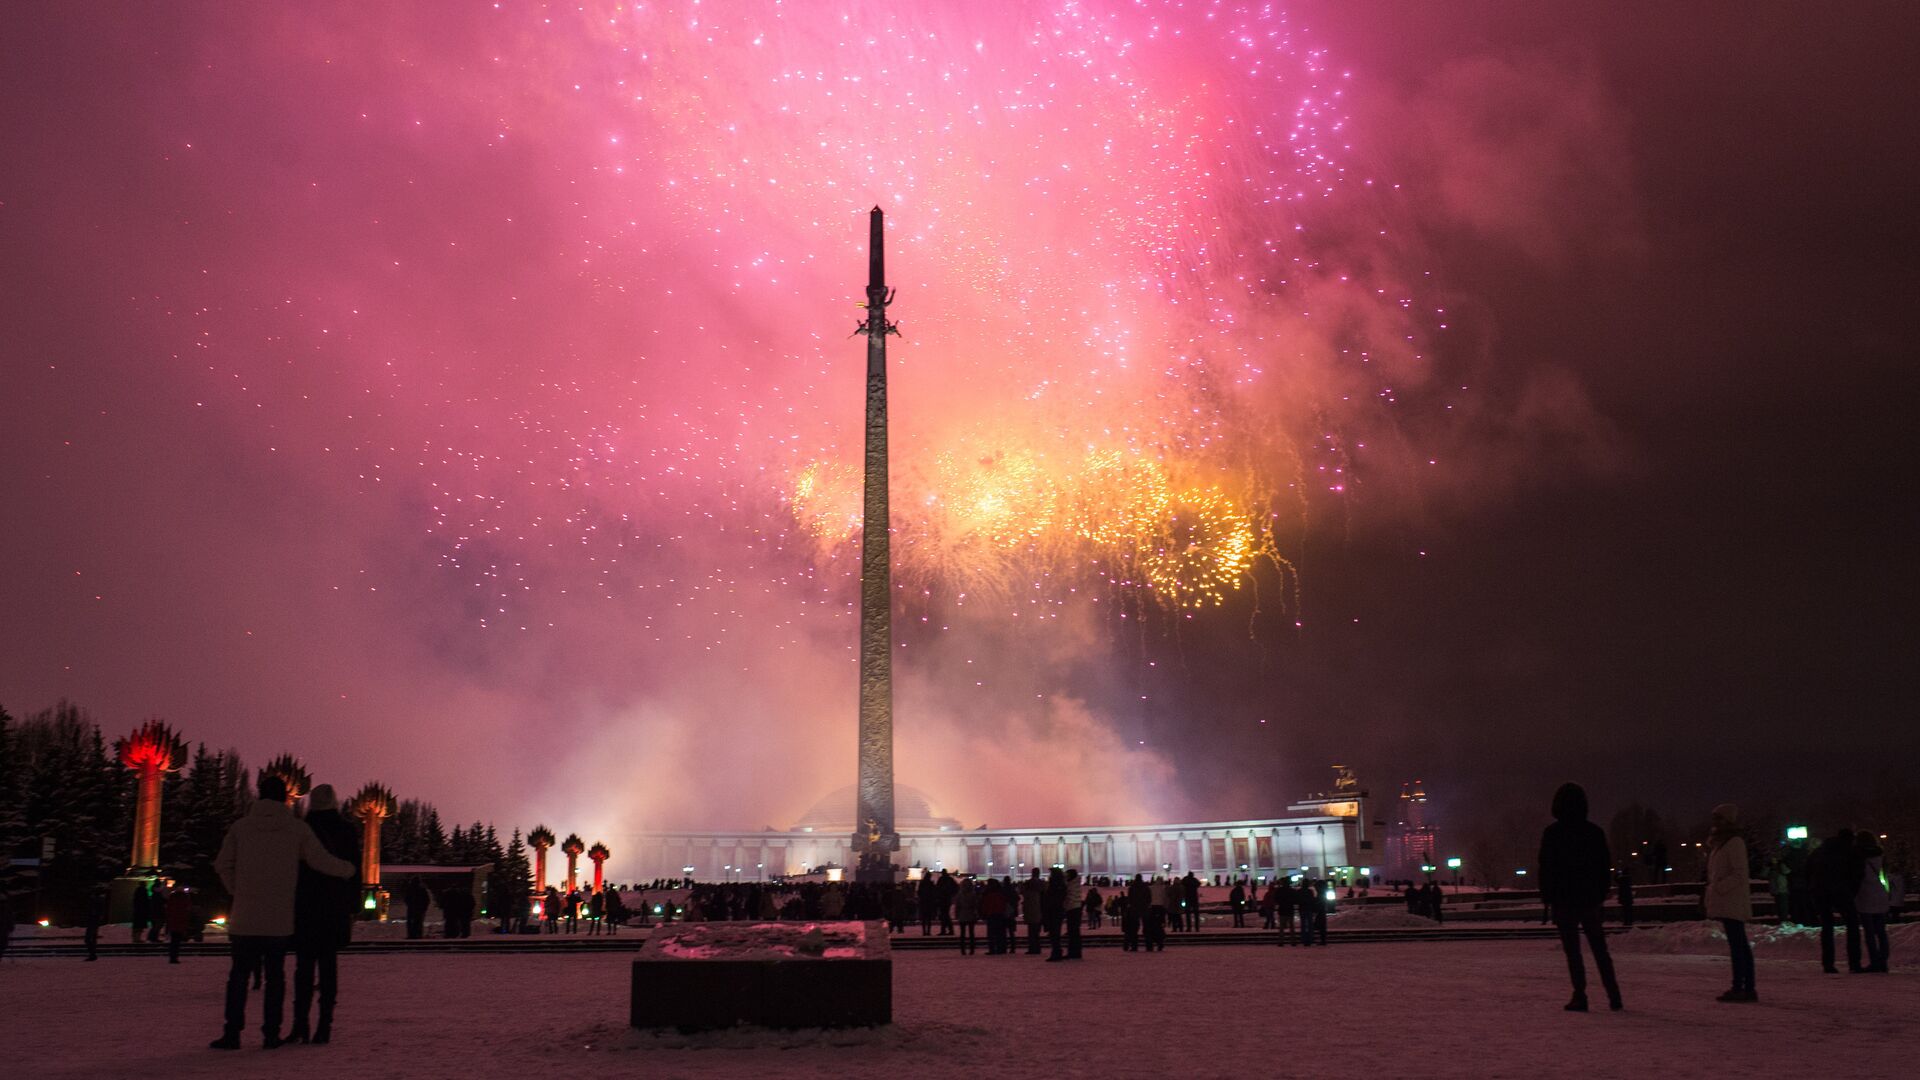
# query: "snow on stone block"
[[702, 976]]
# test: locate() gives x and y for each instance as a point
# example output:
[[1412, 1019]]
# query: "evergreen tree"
[[13, 808], [511, 880], [433, 839]]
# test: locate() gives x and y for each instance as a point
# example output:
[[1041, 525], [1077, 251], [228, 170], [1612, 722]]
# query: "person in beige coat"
[[259, 863], [1729, 896]]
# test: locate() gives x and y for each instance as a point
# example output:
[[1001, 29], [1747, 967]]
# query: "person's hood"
[[1570, 803], [273, 815]]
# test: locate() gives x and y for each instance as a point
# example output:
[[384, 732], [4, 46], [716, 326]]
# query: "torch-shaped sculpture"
[[152, 751], [291, 772], [540, 839], [573, 846], [373, 805], [599, 854]]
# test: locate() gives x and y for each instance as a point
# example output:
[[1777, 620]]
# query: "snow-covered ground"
[[1485, 1009]]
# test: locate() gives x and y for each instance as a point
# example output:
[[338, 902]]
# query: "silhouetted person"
[[1075, 907], [1237, 903], [417, 900], [142, 910], [259, 863], [1575, 872], [1284, 901], [1138, 900], [1872, 902], [1053, 907], [96, 917], [925, 903], [1729, 897], [944, 893], [1623, 891], [1834, 868], [1032, 892], [323, 913], [181, 920]]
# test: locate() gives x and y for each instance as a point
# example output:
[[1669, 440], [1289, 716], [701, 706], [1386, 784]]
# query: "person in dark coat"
[[1190, 894], [926, 904], [1623, 891], [181, 920], [945, 891], [1284, 902], [96, 917], [1138, 901], [1237, 903], [1032, 893], [1053, 908], [417, 901], [1834, 870], [1576, 871], [323, 910], [142, 910]]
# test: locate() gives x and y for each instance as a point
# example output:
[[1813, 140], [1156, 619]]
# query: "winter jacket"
[[1729, 889], [966, 903], [1139, 899], [1576, 869], [180, 920], [1835, 871], [1030, 893], [1076, 895], [993, 903], [1158, 890], [1873, 898], [324, 904], [259, 863]]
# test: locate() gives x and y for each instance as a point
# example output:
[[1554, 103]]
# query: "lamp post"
[[372, 805], [152, 751], [599, 854], [573, 846], [540, 839], [1453, 864]]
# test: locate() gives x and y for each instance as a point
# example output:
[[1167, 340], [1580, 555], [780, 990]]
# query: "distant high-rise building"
[[1411, 842]]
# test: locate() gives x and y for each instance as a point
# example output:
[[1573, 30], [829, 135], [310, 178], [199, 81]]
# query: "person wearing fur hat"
[[1729, 896]]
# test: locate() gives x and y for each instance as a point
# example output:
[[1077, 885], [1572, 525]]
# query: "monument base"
[[120, 892], [702, 976]]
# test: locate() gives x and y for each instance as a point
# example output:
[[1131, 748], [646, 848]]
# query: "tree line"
[[65, 796]]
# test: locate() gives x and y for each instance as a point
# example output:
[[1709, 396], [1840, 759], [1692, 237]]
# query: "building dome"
[[834, 812]]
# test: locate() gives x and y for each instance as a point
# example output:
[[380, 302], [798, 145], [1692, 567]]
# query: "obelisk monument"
[[874, 836]]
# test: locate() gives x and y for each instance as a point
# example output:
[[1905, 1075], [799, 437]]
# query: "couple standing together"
[[293, 887]]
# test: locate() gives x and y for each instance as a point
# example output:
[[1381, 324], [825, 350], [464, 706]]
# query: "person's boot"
[[1613, 999], [1734, 995], [299, 1033], [271, 1041], [1579, 1002], [227, 1041]]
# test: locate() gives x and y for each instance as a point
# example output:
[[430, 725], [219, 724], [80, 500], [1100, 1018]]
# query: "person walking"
[[1729, 897], [1076, 906], [181, 923], [1031, 893], [323, 908], [1574, 875], [966, 912], [259, 863], [1872, 901], [1237, 903], [1834, 868]]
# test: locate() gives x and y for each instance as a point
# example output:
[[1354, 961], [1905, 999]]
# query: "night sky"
[[459, 396]]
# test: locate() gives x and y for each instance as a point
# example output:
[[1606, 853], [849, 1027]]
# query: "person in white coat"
[[1729, 896], [259, 863]]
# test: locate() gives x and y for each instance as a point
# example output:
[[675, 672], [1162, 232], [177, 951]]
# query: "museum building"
[[1328, 835]]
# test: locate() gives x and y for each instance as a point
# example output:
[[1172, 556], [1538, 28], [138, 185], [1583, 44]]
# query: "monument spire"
[[874, 837]]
